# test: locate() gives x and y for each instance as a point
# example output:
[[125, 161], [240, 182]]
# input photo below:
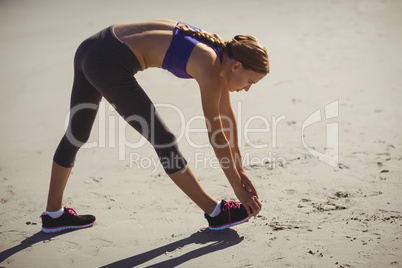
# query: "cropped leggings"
[[104, 66]]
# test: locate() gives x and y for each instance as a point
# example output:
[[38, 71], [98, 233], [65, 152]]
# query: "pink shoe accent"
[[71, 211], [231, 203]]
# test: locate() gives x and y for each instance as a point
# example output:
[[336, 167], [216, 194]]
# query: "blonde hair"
[[244, 48]]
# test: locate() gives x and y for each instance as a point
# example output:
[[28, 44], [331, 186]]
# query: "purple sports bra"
[[179, 51]]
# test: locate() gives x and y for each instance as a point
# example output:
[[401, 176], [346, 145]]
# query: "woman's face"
[[241, 79]]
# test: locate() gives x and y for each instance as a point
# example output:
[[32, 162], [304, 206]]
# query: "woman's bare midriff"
[[149, 40]]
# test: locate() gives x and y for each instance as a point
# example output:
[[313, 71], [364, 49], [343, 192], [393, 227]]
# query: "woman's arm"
[[210, 97], [230, 126], [211, 94], [230, 129]]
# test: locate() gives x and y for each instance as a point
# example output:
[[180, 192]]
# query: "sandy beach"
[[320, 138]]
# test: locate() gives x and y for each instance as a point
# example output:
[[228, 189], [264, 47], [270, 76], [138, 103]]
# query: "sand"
[[342, 209]]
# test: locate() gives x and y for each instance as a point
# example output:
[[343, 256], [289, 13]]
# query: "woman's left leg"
[[133, 104], [188, 183]]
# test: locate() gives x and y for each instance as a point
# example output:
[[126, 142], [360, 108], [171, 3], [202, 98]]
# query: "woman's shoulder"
[[203, 62]]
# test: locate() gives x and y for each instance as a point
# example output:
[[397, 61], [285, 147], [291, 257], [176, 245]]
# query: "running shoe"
[[69, 220], [232, 213]]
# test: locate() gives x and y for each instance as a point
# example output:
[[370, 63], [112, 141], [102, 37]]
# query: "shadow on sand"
[[30, 241], [213, 241]]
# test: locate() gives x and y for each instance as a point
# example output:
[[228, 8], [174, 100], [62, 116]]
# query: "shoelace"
[[230, 204], [71, 211]]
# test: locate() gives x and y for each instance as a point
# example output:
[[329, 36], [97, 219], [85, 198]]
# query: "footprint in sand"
[[338, 201], [91, 180], [8, 194], [290, 191]]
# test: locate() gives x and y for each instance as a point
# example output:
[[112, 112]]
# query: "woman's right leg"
[[83, 108], [58, 181]]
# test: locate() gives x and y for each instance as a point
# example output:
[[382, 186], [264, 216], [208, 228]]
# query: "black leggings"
[[104, 66]]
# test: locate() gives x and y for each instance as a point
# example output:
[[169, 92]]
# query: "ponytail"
[[212, 39], [244, 48]]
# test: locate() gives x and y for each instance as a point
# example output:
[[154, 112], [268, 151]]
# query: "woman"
[[105, 65]]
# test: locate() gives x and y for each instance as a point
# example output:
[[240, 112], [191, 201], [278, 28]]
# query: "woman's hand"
[[250, 201], [248, 195], [246, 181]]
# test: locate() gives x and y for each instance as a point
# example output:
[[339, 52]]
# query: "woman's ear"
[[236, 65]]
